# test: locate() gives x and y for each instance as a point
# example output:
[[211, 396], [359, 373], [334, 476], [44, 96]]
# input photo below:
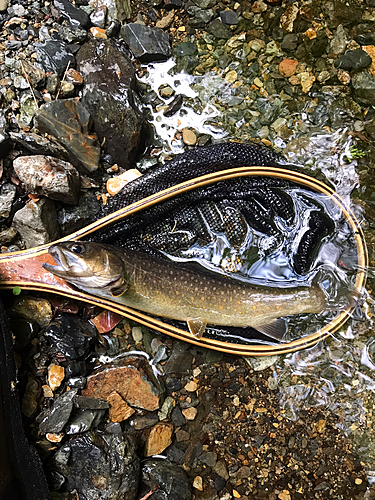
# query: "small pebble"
[[55, 438], [190, 413], [191, 386], [198, 483], [137, 334], [47, 391], [98, 32], [115, 184], [189, 137]]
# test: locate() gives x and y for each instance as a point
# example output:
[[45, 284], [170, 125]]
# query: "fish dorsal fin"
[[197, 326], [275, 330]]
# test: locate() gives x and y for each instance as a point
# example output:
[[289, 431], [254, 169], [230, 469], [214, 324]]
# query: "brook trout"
[[175, 291]]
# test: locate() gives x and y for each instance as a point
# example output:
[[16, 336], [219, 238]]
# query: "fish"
[[176, 291]]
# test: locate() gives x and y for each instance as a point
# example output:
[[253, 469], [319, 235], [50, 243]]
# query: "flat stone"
[[182, 436], [57, 416], [108, 94], [119, 409], [147, 44], [36, 222], [68, 121], [144, 421], [48, 176], [221, 469], [54, 56], [132, 379], [177, 417], [84, 420], [159, 438], [38, 144], [85, 403], [219, 30], [209, 458], [229, 17], [7, 196], [353, 60], [74, 15], [189, 137], [171, 480]]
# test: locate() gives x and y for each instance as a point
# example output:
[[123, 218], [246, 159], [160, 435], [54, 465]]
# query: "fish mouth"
[[61, 268]]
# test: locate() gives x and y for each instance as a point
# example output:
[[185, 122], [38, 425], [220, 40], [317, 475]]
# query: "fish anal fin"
[[197, 326], [275, 330]]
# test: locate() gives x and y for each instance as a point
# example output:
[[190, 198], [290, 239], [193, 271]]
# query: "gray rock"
[[177, 417], [48, 176], [84, 420], [289, 42], [219, 30], [72, 34], [364, 88], [99, 466], [71, 219], [36, 223], [200, 17], [28, 106], [109, 97], [69, 122], [16, 10], [38, 144], [185, 49], [229, 17], [90, 403], [57, 416], [172, 480], [113, 28], [7, 195], [147, 44], [54, 56], [20, 83], [353, 60], [74, 15]]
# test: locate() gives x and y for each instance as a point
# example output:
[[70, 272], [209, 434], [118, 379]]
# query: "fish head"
[[89, 266]]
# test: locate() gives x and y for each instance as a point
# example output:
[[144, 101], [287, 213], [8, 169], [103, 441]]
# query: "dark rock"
[[90, 403], [48, 176], [24, 331], [177, 417], [290, 42], [179, 362], [219, 483], [57, 416], [71, 219], [171, 479], [366, 38], [200, 17], [229, 17], [68, 121], [109, 97], [147, 44], [209, 458], [353, 60], [36, 223], [172, 384], [319, 45], [72, 34], [99, 465], [54, 56], [7, 236], [113, 28], [219, 30], [5, 143], [38, 144], [7, 196], [175, 455], [74, 15], [173, 3], [84, 420], [70, 336], [364, 88], [174, 106], [53, 83], [185, 49], [144, 421]]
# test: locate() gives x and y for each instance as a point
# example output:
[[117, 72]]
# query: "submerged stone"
[[69, 122], [171, 479], [99, 466], [84, 420], [147, 44], [108, 94], [57, 416], [48, 176], [364, 88], [36, 222], [71, 219], [353, 60], [54, 56]]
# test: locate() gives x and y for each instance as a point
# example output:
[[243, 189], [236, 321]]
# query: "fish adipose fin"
[[275, 330], [197, 326]]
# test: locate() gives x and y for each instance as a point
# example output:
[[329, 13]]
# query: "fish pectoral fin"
[[197, 326], [117, 291], [275, 330]]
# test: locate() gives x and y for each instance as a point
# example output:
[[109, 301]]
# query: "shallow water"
[[337, 373]]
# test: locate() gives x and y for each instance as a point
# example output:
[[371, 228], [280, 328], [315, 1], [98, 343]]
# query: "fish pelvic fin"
[[275, 330], [197, 326]]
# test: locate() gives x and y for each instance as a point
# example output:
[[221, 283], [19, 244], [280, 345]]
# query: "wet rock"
[[99, 17], [56, 374], [179, 362], [74, 15], [364, 88], [209, 458], [171, 479], [69, 122], [48, 176], [260, 363], [36, 222], [132, 378], [113, 28], [72, 34], [8, 235], [109, 97], [119, 409], [32, 309], [189, 137], [159, 438], [54, 56], [99, 466], [71, 219], [174, 106], [30, 397], [7, 195], [147, 44], [229, 17], [219, 30], [70, 336], [177, 417], [38, 144], [144, 421], [35, 75], [84, 420], [185, 49], [200, 17], [85, 403], [55, 418], [115, 184], [353, 60], [66, 89]]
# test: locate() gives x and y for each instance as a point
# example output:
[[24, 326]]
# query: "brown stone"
[[288, 67], [119, 410], [158, 439], [56, 374], [370, 49], [132, 378]]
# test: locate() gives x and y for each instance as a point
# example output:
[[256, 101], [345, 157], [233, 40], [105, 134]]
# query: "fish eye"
[[77, 248]]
